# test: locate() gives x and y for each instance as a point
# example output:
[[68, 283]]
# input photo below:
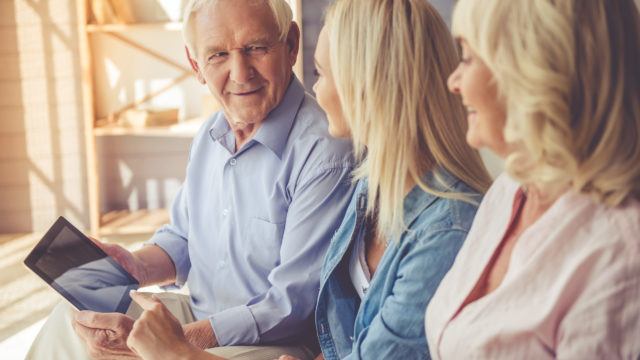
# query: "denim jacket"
[[389, 323]]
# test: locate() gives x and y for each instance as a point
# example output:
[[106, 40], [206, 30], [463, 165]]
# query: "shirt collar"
[[418, 200], [274, 130]]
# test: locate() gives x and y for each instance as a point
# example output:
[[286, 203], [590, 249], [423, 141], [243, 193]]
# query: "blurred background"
[[97, 110]]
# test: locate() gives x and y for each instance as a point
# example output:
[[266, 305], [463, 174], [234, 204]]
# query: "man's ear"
[[293, 42], [195, 67]]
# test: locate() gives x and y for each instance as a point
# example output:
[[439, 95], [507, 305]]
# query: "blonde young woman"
[[382, 67], [551, 266]]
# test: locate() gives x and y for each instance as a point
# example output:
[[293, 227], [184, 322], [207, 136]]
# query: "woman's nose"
[[453, 82]]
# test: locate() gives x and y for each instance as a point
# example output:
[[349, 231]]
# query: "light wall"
[[42, 161]]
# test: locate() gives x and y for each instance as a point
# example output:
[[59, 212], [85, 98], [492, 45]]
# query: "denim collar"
[[274, 130], [417, 199]]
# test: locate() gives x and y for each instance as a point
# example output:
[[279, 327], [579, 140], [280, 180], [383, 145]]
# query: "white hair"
[[281, 12]]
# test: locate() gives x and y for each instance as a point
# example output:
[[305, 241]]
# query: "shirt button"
[[225, 212], [233, 161]]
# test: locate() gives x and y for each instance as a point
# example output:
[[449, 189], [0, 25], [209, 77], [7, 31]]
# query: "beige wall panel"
[[17, 221], [8, 40], [34, 92], [63, 168], [34, 40], [35, 119], [43, 194], [42, 156], [10, 124], [40, 145], [23, 12], [55, 66]]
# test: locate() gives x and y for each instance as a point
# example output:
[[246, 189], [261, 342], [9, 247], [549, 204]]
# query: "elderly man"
[[265, 189]]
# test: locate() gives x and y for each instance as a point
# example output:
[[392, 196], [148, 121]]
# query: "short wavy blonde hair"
[[390, 61], [280, 8], [569, 73]]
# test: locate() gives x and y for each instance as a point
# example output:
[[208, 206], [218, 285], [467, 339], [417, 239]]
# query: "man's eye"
[[257, 49], [217, 56], [316, 73]]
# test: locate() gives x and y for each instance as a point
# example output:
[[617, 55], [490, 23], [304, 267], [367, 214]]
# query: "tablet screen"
[[80, 271]]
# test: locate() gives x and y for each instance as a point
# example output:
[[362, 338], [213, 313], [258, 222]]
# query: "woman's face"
[[473, 81], [325, 89]]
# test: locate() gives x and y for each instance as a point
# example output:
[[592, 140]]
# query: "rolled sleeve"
[[235, 326], [172, 238], [177, 249]]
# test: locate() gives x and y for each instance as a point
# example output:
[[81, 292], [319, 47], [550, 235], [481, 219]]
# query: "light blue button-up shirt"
[[249, 229]]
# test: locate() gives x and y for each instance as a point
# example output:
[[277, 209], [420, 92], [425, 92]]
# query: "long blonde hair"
[[390, 61], [569, 74]]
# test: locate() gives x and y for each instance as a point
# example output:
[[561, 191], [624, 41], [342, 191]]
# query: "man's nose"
[[453, 82], [241, 68]]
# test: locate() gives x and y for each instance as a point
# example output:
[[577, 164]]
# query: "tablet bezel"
[[41, 247]]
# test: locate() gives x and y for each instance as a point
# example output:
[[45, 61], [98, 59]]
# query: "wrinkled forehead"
[[234, 23]]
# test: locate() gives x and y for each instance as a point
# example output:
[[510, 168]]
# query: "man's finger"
[[83, 331], [97, 320], [145, 300]]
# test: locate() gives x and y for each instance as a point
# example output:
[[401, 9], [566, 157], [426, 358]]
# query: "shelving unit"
[[137, 221]]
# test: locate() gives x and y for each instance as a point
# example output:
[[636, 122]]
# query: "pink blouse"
[[572, 289]]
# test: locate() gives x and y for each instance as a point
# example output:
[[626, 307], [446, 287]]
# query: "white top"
[[572, 289], [358, 269]]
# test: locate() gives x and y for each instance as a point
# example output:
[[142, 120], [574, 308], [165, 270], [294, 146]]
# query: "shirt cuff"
[[235, 326], [177, 250]]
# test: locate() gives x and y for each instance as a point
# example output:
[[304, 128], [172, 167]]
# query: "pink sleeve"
[[604, 321]]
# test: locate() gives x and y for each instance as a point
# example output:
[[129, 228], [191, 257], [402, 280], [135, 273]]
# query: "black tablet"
[[79, 270]]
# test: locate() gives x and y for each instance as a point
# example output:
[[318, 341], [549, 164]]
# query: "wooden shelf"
[[124, 222], [182, 129], [169, 26]]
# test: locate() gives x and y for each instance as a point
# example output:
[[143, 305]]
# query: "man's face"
[[240, 58]]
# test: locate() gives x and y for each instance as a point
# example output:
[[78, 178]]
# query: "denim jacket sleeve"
[[397, 331]]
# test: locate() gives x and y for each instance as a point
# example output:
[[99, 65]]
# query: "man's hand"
[[104, 334], [157, 334], [149, 266], [200, 334], [128, 260]]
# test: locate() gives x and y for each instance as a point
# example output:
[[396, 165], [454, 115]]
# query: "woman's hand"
[[157, 334]]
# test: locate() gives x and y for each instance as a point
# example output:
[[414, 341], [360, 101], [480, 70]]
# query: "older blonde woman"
[[382, 68], [551, 266]]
